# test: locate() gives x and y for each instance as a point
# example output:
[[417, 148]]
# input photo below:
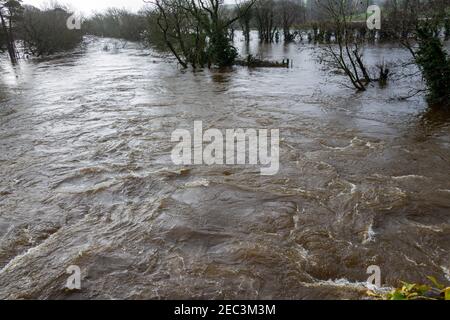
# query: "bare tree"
[[417, 25], [10, 11], [346, 54], [246, 15], [196, 31], [290, 12], [266, 20], [45, 32]]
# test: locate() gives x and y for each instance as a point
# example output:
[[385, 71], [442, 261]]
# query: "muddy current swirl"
[[87, 180]]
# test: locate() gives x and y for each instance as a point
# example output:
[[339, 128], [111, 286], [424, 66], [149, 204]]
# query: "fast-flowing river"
[[87, 179]]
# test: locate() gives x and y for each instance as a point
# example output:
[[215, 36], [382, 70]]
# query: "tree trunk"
[[9, 40]]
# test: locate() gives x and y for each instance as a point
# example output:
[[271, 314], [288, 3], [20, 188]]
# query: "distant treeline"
[[44, 31], [275, 20], [200, 33], [117, 23]]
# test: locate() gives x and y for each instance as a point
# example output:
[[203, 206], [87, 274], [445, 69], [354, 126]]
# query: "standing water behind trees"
[[87, 178]]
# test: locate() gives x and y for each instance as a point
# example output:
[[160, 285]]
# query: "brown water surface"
[[87, 180]]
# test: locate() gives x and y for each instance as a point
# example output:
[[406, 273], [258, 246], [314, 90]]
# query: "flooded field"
[[87, 180]]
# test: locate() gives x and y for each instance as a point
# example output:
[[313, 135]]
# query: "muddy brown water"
[[87, 180]]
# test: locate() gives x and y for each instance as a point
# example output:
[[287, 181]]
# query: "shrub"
[[435, 65], [45, 32]]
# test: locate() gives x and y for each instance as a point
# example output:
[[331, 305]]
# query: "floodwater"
[[87, 180]]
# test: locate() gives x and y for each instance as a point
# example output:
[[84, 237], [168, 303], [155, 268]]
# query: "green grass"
[[415, 291]]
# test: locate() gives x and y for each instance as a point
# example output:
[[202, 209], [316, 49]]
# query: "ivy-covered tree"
[[434, 62]]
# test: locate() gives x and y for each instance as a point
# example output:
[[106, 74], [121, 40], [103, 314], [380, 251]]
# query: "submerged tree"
[[266, 20], [246, 15], [10, 13], [181, 33], [290, 12], [419, 31], [197, 31], [346, 54], [45, 32]]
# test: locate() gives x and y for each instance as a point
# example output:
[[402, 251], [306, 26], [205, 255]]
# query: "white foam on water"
[[197, 183], [370, 235], [345, 283], [410, 176], [446, 272]]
